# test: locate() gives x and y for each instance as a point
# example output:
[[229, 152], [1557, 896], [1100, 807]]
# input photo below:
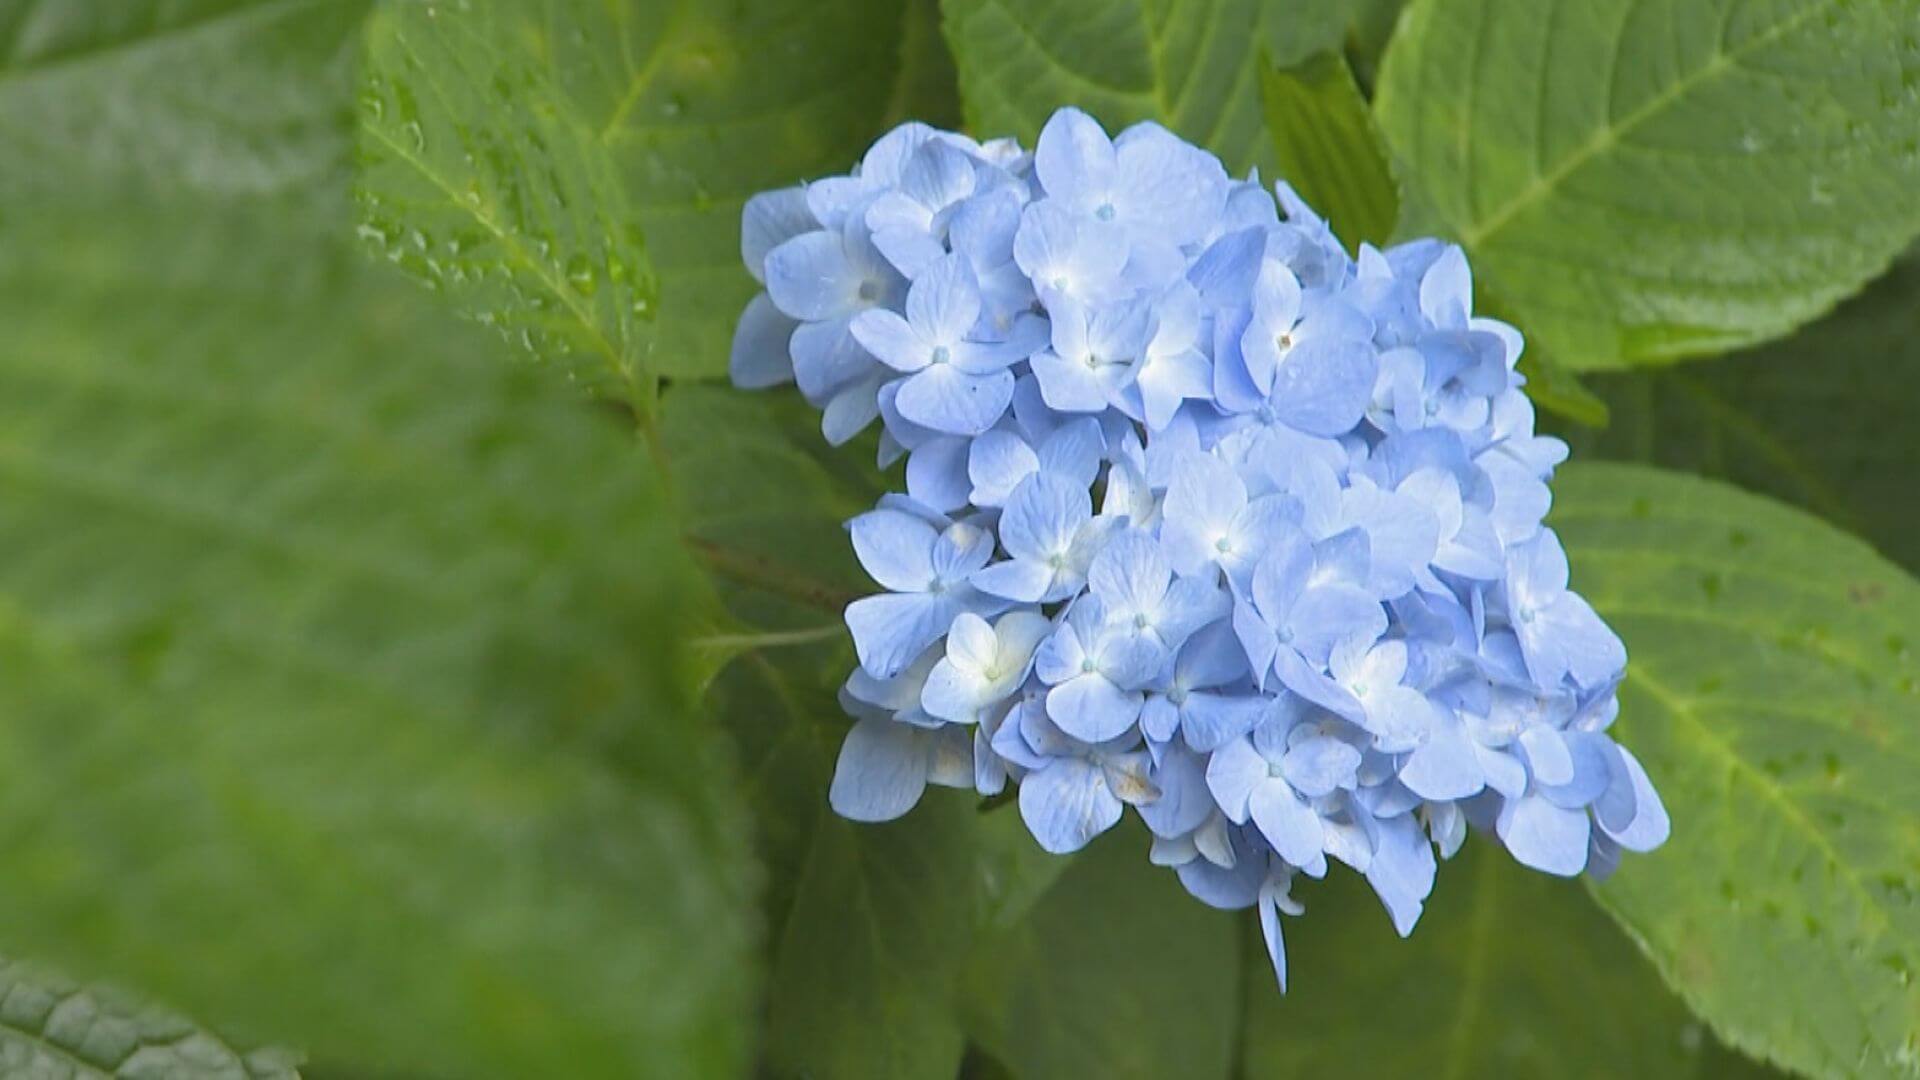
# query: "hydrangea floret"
[[1203, 517]]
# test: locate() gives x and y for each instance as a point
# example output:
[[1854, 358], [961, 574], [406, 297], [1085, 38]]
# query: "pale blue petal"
[[811, 278], [895, 548], [770, 219], [1446, 767], [1543, 836], [891, 340], [1067, 804], [1073, 154], [1630, 812], [1548, 759], [891, 629], [1208, 720], [1320, 764], [760, 355], [1288, 823], [1043, 516], [1091, 708], [937, 474], [1402, 871], [1324, 386], [1233, 772], [948, 400], [1185, 799], [882, 771], [997, 462]]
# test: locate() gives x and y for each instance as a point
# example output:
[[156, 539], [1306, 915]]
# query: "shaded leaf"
[[1114, 972], [345, 693], [1648, 181], [1510, 973], [1193, 65], [1326, 144], [1773, 696], [221, 97], [1822, 420]]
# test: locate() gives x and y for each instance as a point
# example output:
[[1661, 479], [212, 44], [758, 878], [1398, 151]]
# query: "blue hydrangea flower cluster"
[[1203, 517]]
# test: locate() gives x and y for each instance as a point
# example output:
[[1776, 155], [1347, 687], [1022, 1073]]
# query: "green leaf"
[[1510, 973], [534, 158], [1326, 143], [221, 97], [345, 695], [55, 1029], [483, 178], [863, 983], [1648, 181], [1115, 972], [1821, 420], [1193, 65], [1774, 697]]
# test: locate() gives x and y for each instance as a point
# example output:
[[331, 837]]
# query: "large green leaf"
[[345, 669], [226, 97], [1510, 973], [52, 1028], [534, 157], [482, 177], [1822, 420], [1646, 180], [1193, 65], [864, 979], [1114, 972], [1774, 696]]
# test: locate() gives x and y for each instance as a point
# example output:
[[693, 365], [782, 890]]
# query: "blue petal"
[[760, 356], [1324, 387], [770, 219], [946, 399], [882, 771], [895, 548], [1067, 804], [811, 278], [1091, 708], [1543, 836], [1288, 823], [891, 629], [1402, 871]]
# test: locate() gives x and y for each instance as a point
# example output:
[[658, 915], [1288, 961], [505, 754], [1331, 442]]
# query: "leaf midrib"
[[1477, 233]]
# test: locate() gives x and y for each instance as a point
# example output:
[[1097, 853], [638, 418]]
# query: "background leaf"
[[481, 177], [1773, 696], [1114, 972], [1325, 141], [222, 97], [345, 693], [1822, 420], [1510, 973], [52, 1028], [1193, 65], [1646, 181]]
